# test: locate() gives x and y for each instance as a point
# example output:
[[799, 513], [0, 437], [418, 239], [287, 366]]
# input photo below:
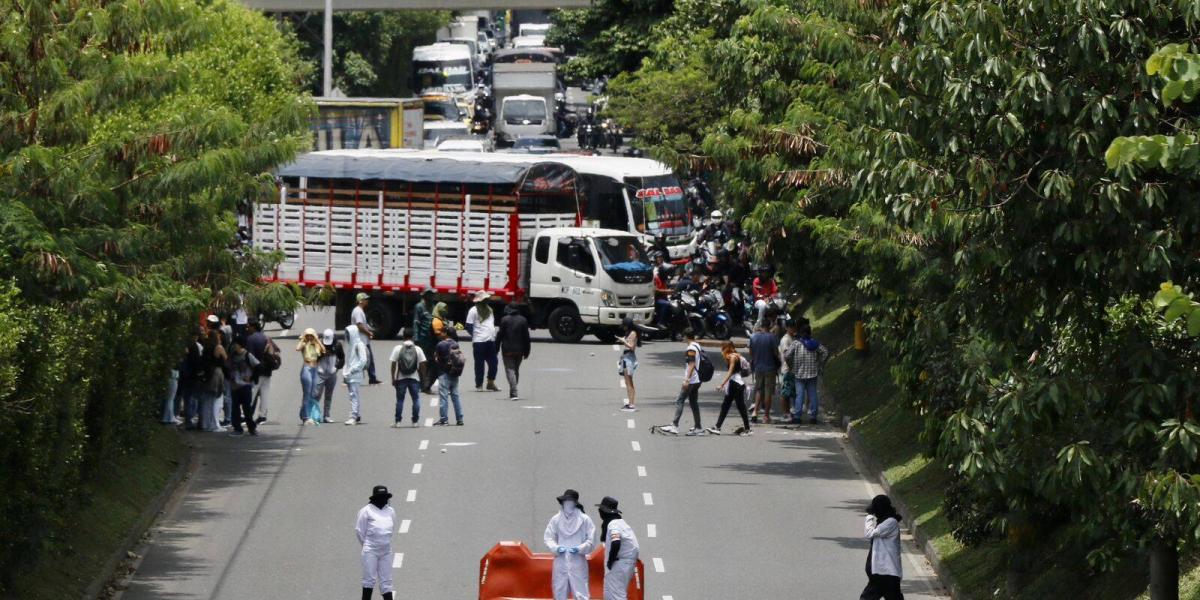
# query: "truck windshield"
[[516, 111], [624, 259], [445, 109], [442, 76], [658, 205]]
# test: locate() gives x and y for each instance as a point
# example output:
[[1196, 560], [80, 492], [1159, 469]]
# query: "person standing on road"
[[628, 362], [264, 350], [423, 335], [481, 324], [358, 316], [787, 379], [690, 390], [513, 338], [408, 365], [331, 360], [734, 387], [621, 549], [807, 358], [569, 536], [310, 349], [242, 365], [451, 363], [213, 384], [765, 362], [374, 527], [882, 530], [356, 366], [191, 376]]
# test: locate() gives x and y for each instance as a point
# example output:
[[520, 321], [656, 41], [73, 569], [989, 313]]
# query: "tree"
[[609, 37], [130, 133]]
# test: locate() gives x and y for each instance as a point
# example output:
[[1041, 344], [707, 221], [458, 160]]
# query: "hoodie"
[[356, 357], [513, 332]]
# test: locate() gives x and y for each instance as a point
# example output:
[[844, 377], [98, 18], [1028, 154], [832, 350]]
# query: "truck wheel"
[[607, 335], [565, 325], [287, 320], [383, 317]]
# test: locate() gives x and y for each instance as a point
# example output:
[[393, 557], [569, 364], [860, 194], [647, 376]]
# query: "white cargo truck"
[[393, 223], [524, 96]]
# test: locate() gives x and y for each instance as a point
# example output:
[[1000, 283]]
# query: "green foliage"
[[372, 50], [129, 134], [1176, 153], [1175, 304], [610, 37]]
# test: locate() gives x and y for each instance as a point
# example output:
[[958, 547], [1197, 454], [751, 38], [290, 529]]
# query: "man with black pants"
[[513, 337], [689, 391], [256, 344]]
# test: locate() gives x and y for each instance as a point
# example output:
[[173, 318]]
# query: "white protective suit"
[[374, 529], [616, 579], [570, 574]]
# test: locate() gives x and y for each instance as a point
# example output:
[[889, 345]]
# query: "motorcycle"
[[671, 325], [285, 318], [775, 313], [714, 319]]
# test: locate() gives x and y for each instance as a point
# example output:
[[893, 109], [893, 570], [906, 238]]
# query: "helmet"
[[717, 215]]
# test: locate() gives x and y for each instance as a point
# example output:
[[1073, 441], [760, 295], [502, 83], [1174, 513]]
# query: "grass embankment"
[[109, 505], [859, 385]]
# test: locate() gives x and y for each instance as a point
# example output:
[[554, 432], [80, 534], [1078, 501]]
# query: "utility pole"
[[327, 60]]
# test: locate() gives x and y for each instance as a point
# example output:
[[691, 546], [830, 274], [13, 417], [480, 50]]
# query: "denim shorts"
[[627, 364]]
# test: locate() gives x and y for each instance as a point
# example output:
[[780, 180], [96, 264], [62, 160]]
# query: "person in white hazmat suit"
[[622, 550], [376, 522], [570, 536]]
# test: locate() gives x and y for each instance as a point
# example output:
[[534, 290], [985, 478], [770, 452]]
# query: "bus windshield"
[[658, 205], [442, 76]]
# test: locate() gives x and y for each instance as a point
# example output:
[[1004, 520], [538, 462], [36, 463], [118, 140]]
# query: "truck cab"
[[588, 280]]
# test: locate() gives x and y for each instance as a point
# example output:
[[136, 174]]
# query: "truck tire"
[[383, 315], [607, 335], [565, 325]]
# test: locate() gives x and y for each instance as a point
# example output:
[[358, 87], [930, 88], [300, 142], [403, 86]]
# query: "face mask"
[[379, 502], [568, 508]]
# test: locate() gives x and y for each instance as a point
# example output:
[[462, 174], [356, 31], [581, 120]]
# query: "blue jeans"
[[806, 394], [168, 411], [309, 409], [447, 392], [413, 387], [485, 355]]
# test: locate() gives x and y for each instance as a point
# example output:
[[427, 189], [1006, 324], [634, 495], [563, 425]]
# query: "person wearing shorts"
[[764, 362]]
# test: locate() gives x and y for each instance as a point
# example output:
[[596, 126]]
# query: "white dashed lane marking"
[[417, 469], [651, 530], [404, 525], [658, 565], [398, 560], [424, 445], [429, 422], [647, 499], [433, 402], [412, 496], [636, 446], [668, 598], [629, 423], [622, 383], [616, 348], [641, 471]]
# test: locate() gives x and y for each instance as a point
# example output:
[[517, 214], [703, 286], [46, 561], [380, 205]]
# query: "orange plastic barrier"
[[510, 571]]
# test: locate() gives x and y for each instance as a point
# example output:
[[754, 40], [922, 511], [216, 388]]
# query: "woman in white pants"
[[570, 536], [621, 550], [376, 522]]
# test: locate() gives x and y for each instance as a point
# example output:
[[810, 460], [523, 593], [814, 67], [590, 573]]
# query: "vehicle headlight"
[[608, 299]]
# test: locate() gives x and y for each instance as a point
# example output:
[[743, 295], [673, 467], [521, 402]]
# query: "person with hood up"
[[882, 530], [513, 337], [481, 324], [807, 358], [356, 366], [241, 379], [622, 550], [423, 335], [441, 319], [327, 367], [569, 535], [375, 524], [310, 349]]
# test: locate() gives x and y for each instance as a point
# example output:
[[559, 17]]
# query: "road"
[[774, 515]]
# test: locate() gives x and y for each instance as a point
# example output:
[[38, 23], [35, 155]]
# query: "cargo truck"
[[350, 123], [524, 97]]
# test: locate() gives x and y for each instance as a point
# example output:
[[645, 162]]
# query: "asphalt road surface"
[[774, 515]]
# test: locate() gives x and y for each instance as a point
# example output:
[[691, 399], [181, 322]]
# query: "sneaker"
[[352, 421], [491, 386], [628, 408], [310, 422], [416, 423], [396, 425], [671, 429], [479, 388], [459, 423], [513, 398], [743, 432], [254, 433], [440, 423], [695, 431], [374, 382], [235, 433], [327, 420], [260, 420], [224, 423], [714, 430]]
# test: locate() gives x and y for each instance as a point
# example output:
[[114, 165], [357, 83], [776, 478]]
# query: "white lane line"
[[433, 402], [533, 406], [412, 496], [459, 444], [398, 560], [404, 525], [636, 446], [641, 471], [629, 423], [417, 469], [668, 598], [651, 530], [622, 384], [285, 332], [616, 348], [429, 422], [647, 499], [658, 565], [424, 445]]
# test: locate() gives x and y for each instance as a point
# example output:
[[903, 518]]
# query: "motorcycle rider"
[[765, 289]]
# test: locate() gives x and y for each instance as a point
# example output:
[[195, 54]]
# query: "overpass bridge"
[[320, 5]]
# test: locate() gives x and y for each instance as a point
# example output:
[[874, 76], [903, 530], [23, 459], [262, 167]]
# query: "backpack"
[[408, 360], [455, 363], [271, 359], [744, 366], [705, 367]]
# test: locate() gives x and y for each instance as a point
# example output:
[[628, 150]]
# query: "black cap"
[[380, 491], [569, 495], [609, 505]]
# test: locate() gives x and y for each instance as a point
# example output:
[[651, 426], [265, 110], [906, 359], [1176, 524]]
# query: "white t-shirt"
[[785, 343], [358, 315], [618, 529], [695, 378], [482, 331], [420, 359]]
